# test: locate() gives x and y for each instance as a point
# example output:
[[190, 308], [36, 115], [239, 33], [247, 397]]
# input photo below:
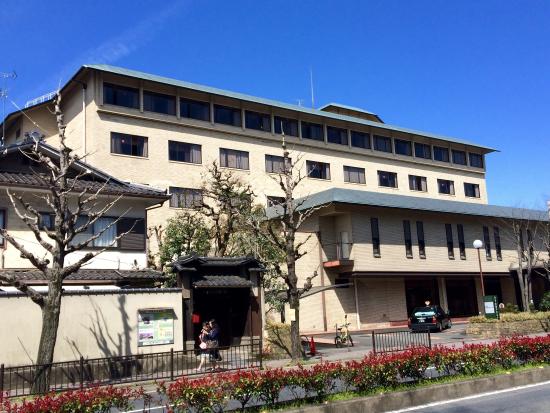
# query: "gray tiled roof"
[[89, 275], [222, 281], [357, 197]]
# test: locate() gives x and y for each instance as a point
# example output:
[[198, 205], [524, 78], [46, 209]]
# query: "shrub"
[[544, 304], [92, 400], [202, 395], [509, 317]]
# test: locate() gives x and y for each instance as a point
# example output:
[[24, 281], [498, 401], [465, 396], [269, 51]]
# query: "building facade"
[[392, 244]]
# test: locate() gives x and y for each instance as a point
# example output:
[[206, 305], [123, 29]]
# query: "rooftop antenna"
[[300, 101], [311, 84], [3, 96]]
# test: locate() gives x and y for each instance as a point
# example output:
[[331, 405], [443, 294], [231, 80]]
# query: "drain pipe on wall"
[[322, 271]]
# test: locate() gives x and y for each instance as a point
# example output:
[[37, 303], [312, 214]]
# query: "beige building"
[[400, 207]]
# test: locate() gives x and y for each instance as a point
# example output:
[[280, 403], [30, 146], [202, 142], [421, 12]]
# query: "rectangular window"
[[47, 221], [274, 164], [3, 226], [131, 145], [354, 175], [159, 103], [441, 154], [402, 147], [446, 187], [450, 245], [106, 228], [471, 190], [461, 243], [459, 157], [487, 242], [184, 152], [312, 131], [387, 179], [418, 183], [273, 201], [408, 239], [319, 170], [227, 115], [288, 126], [230, 158], [194, 109], [185, 197], [360, 139], [498, 246], [421, 241], [257, 121], [422, 150], [135, 233], [337, 135], [476, 160], [375, 237], [382, 143], [121, 96]]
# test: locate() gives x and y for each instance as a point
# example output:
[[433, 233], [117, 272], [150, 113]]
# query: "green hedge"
[[509, 317]]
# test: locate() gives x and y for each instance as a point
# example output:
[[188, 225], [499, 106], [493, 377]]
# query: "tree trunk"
[[48, 337], [296, 344]]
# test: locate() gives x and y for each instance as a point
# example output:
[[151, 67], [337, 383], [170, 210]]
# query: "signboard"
[[155, 326], [491, 306]]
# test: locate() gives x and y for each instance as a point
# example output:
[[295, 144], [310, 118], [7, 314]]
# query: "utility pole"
[[4, 96]]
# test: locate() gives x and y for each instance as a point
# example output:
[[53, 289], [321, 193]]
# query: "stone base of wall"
[[508, 328]]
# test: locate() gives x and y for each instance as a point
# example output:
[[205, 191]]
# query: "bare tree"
[[225, 201], [528, 238], [75, 208], [280, 230]]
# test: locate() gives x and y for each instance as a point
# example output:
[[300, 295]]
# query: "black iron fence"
[[400, 340], [82, 373]]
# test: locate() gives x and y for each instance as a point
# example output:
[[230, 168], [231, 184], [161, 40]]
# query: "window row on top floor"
[[227, 115]]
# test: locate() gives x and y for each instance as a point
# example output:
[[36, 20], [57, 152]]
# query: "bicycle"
[[343, 337]]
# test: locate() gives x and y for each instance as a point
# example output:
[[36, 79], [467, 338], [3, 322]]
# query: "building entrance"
[[462, 297], [419, 291]]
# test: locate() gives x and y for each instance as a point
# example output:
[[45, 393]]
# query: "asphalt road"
[[524, 399]]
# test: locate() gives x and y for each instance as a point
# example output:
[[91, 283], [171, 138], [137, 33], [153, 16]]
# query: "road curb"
[[438, 392]]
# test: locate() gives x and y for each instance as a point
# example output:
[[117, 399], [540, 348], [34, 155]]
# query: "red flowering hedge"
[[92, 400], [213, 392]]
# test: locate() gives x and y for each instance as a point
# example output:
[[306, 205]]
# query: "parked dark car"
[[431, 317]]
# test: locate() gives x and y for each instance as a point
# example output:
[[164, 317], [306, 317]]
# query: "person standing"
[[203, 345], [214, 337]]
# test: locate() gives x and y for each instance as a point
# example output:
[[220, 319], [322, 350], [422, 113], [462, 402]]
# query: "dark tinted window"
[[184, 152], [498, 246], [132, 145], [487, 243], [257, 121], [288, 126], [471, 190], [185, 197], [450, 245], [446, 187], [227, 115], [403, 147], [459, 157], [354, 175], [388, 179], [319, 170], [441, 154], [312, 131], [461, 243], [408, 239], [476, 160], [375, 232], [337, 135], [194, 109], [421, 241], [47, 220], [422, 150], [418, 183], [157, 102], [120, 95], [360, 139], [382, 143], [230, 158]]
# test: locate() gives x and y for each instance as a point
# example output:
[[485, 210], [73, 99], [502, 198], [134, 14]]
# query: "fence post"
[[261, 344], [1, 378], [429, 339], [172, 364], [81, 372], [373, 342]]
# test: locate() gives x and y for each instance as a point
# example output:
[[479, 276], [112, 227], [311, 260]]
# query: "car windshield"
[[423, 312]]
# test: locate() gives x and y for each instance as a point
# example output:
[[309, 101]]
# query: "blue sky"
[[479, 71]]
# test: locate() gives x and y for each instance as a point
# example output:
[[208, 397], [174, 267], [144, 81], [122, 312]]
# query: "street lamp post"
[[477, 245]]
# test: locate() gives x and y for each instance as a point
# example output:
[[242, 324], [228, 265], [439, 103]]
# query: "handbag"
[[203, 345]]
